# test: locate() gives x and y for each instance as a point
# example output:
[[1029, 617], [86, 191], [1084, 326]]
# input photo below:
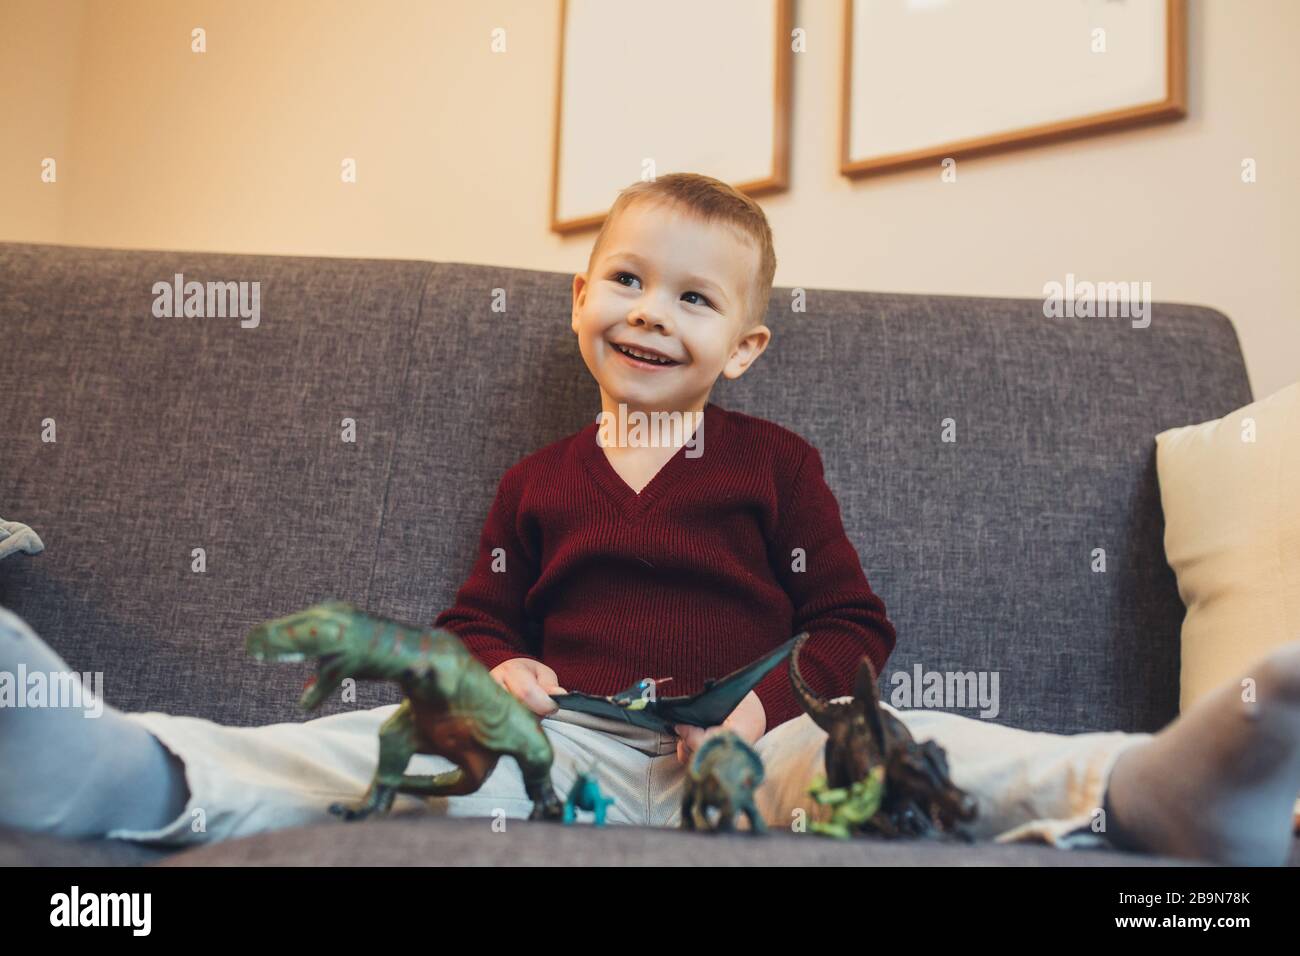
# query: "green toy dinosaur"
[[723, 775], [851, 806], [454, 708]]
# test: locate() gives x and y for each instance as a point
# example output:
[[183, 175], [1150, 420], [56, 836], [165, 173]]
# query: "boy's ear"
[[748, 349], [579, 288]]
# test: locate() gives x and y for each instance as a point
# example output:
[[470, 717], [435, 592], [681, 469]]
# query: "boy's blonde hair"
[[712, 201]]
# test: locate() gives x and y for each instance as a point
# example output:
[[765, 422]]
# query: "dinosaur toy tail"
[[813, 705], [866, 696]]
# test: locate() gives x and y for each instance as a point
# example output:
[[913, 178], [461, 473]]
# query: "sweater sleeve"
[[488, 613], [832, 600]]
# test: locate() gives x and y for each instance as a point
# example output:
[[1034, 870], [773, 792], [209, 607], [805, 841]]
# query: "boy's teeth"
[[645, 357]]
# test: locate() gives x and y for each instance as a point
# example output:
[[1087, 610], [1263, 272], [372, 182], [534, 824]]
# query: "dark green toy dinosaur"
[[918, 798], [453, 706], [722, 776]]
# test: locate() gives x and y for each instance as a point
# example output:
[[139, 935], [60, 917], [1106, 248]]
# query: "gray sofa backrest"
[[183, 433]]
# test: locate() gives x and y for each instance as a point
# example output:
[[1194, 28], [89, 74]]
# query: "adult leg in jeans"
[[73, 766]]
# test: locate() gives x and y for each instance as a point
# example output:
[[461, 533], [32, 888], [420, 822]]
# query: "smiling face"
[[676, 289]]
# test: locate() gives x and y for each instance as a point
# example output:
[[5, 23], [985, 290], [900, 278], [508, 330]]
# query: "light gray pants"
[[242, 780]]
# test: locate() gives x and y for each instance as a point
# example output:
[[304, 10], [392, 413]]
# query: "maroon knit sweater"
[[694, 577]]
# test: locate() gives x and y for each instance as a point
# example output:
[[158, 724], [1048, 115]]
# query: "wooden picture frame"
[[766, 174], [1171, 106]]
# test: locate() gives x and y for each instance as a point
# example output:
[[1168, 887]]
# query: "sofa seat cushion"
[[416, 840]]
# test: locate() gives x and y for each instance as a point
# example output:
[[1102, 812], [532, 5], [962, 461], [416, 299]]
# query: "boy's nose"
[[650, 319], [649, 311]]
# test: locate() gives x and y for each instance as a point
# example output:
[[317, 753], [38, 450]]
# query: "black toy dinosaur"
[[709, 708], [919, 797]]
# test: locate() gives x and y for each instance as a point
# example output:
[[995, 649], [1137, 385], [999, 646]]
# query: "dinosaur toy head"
[[326, 632], [347, 642], [921, 773]]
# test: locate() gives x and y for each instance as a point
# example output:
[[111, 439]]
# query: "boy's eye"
[[620, 276]]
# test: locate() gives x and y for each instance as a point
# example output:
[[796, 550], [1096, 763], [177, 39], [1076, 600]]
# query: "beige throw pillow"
[[1230, 490]]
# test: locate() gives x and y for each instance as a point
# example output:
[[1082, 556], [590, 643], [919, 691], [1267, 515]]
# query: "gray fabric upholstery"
[[404, 841], [423, 842], [180, 433], [192, 432], [18, 848]]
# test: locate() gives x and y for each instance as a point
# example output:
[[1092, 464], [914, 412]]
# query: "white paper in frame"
[[687, 85], [923, 80]]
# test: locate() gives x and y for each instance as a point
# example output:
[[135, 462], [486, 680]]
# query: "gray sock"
[[1220, 782], [68, 774]]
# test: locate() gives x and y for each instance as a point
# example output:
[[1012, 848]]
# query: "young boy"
[[604, 561]]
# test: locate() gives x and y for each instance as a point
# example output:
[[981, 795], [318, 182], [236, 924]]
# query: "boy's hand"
[[748, 722], [529, 681]]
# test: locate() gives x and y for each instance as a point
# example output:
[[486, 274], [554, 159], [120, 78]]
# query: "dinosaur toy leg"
[[397, 742], [469, 776], [688, 808], [451, 783], [535, 767], [756, 824], [912, 820], [474, 767], [546, 805]]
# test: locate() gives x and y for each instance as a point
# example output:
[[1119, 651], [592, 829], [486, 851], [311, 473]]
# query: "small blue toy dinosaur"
[[585, 795]]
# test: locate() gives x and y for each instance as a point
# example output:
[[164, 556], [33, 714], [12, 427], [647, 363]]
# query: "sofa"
[[176, 433]]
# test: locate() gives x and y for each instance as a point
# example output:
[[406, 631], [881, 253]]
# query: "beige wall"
[[239, 149], [39, 73]]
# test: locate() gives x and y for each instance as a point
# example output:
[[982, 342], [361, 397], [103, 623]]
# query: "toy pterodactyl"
[[709, 708]]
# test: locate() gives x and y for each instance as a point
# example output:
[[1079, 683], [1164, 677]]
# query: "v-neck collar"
[[633, 504]]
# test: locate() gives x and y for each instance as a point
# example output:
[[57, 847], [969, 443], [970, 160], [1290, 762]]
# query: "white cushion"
[[1230, 490]]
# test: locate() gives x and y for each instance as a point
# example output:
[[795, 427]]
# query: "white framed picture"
[[924, 80], [645, 89]]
